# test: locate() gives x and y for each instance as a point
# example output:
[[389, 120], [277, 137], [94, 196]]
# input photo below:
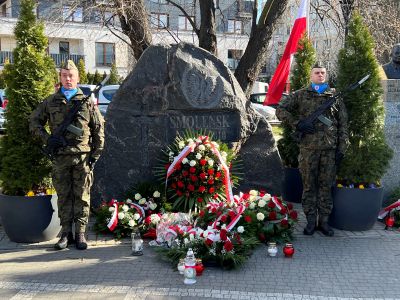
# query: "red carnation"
[[215, 196], [218, 175], [203, 162], [262, 193], [271, 204], [202, 189], [228, 246], [261, 237], [192, 170], [246, 196], [173, 185], [179, 193], [179, 166], [185, 173], [232, 214], [203, 176], [193, 178], [180, 184], [190, 187], [293, 214], [223, 235], [200, 200], [283, 210], [210, 181], [210, 171], [224, 218], [211, 190], [219, 213], [284, 222], [201, 213], [272, 215], [247, 219], [290, 206], [147, 220], [208, 242]]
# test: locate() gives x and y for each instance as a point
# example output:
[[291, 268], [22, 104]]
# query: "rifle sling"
[[69, 118]]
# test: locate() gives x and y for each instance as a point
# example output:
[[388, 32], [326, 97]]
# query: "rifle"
[[66, 124], [318, 113]]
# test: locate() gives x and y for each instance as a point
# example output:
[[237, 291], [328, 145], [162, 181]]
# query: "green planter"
[[355, 209], [29, 219]]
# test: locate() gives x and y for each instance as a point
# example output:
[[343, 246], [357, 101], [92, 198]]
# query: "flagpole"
[[308, 18]]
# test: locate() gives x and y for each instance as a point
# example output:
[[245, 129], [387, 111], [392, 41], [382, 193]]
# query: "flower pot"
[[292, 185], [355, 209], [30, 219]]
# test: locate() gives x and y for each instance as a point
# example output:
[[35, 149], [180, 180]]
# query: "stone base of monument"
[[355, 209]]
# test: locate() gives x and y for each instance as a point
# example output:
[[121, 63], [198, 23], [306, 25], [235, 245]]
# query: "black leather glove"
[[305, 127], [338, 157], [54, 143], [91, 163]]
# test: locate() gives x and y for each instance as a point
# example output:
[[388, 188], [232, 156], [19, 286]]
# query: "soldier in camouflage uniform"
[[73, 164], [322, 146]]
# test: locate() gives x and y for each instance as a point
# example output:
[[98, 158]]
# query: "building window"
[[184, 23], [234, 56], [4, 11], [105, 54], [235, 26], [159, 20], [72, 14], [64, 48]]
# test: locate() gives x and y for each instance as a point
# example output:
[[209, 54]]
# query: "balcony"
[[58, 58]]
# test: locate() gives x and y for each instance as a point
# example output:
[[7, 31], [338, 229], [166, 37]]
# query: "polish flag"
[[281, 75]]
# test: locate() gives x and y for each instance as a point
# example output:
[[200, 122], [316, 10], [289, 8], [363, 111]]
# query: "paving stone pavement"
[[351, 265]]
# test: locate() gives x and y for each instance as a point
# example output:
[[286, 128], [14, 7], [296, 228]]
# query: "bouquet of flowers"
[[121, 217], [268, 216], [197, 170]]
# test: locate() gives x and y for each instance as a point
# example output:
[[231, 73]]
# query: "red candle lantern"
[[199, 267], [288, 250], [389, 222]]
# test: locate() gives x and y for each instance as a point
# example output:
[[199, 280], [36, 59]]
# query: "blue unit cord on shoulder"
[[319, 88], [69, 93]]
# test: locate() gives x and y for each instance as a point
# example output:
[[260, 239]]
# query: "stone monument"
[[174, 88], [392, 69], [391, 101]]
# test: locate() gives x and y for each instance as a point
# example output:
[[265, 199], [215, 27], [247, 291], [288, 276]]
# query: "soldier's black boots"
[[81, 243], [311, 223], [324, 226], [66, 239]]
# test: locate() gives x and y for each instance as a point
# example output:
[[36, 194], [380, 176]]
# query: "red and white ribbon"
[[114, 219], [239, 212], [139, 209], [388, 209], [277, 202]]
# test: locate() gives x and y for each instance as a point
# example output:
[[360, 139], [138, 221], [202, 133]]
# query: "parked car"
[[3, 99], [2, 120], [268, 111], [106, 94], [86, 88]]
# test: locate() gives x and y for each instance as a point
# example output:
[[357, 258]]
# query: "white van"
[[106, 94]]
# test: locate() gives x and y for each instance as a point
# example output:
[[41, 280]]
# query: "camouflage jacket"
[[53, 111], [302, 103]]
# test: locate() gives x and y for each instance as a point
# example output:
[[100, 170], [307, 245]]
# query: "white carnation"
[[153, 206], [240, 229], [190, 141], [121, 215], [253, 192], [171, 154], [223, 153], [129, 201], [138, 196], [131, 223], [267, 197], [260, 216], [154, 218], [185, 160], [191, 237], [261, 203], [185, 241], [202, 148], [125, 208], [156, 194], [198, 155], [181, 144], [210, 162], [192, 163], [136, 216], [252, 205], [111, 209], [142, 201]]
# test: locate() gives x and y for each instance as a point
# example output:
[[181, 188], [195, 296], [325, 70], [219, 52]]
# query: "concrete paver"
[[350, 265]]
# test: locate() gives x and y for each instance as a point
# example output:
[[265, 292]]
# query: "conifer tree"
[[89, 77], [97, 78], [305, 59], [29, 81], [82, 72], [368, 155], [114, 78]]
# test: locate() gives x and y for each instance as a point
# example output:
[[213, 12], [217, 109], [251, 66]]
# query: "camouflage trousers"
[[318, 170], [72, 179]]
